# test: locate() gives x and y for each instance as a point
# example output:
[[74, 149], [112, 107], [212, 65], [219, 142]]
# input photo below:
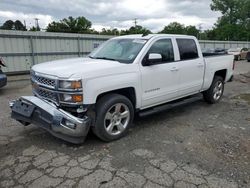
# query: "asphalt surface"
[[195, 145]]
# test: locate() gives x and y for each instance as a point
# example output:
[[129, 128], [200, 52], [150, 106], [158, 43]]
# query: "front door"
[[160, 80]]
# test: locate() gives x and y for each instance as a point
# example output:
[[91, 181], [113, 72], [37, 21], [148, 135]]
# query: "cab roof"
[[147, 37]]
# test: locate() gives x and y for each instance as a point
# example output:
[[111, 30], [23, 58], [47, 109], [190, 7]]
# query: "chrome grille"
[[45, 94], [44, 81]]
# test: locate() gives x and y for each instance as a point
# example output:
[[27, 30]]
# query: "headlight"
[[72, 98], [70, 85]]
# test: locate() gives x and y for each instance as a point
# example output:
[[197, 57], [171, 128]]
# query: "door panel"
[[159, 83], [191, 76], [191, 67], [160, 80]]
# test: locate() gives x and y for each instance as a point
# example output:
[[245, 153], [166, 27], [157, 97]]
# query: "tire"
[[109, 110], [215, 92], [239, 58]]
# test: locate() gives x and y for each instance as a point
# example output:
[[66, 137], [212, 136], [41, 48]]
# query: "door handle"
[[174, 69], [200, 65]]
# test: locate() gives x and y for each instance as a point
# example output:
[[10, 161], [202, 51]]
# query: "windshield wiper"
[[105, 58]]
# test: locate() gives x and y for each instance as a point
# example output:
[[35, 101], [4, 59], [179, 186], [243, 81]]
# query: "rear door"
[[191, 67]]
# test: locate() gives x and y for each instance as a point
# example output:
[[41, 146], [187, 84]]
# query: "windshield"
[[122, 50]]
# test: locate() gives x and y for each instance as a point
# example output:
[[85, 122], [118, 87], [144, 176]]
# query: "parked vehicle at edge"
[[212, 52], [126, 75], [239, 53], [220, 51], [3, 77], [248, 57]]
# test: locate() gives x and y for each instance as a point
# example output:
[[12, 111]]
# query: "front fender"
[[96, 86]]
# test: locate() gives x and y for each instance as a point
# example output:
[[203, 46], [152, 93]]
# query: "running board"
[[169, 106]]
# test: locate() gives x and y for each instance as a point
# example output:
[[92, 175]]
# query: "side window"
[[187, 48], [165, 48]]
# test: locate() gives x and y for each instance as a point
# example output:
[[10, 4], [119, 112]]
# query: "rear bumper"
[[3, 80], [47, 116]]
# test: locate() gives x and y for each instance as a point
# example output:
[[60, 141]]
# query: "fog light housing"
[[69, 124]]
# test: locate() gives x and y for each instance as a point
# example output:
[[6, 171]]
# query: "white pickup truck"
[[125, 75]]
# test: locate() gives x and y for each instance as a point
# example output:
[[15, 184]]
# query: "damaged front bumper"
[[46, 115]]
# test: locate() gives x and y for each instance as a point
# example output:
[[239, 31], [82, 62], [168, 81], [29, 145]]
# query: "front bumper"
[[3, 80], [51, 118]]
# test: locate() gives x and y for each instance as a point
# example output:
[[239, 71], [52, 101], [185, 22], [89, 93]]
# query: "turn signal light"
[[77, 98]]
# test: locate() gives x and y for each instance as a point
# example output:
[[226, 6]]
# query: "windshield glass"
[[122, 50]]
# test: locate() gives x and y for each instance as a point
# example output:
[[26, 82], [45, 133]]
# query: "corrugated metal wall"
[[208, 44], [21, 50]]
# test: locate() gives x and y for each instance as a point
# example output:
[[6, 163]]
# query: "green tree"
[[177, 28], [8, 25], [110, 32], [174, 28], [228, 8], [70, 25], [192, 30], [234, 24], [19, 26], [33, 28], [11, 25], [136, 30]]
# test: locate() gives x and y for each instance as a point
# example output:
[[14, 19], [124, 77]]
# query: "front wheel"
[[114, 116], [215, 92], [239, 58]]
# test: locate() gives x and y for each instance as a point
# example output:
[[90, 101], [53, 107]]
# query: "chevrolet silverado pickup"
[[125, 75]]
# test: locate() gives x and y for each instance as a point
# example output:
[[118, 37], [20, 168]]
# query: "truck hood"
[[77, 67]]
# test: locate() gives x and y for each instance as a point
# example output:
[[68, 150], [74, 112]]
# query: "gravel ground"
[[196, 145]]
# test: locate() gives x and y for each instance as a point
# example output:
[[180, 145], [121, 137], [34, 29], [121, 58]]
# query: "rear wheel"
[[114, 116], [215, 92]]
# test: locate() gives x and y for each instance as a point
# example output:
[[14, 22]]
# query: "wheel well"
[[221, 73], [127, 92]]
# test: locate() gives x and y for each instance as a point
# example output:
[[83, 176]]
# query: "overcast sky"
[[153, 14]]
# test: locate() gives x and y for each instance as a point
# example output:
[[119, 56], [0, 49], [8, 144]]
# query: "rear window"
[[187, 48]]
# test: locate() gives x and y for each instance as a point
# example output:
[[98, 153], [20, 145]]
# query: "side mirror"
[[154, 58]]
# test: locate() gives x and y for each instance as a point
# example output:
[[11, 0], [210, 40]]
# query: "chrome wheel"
[[117, 119], [218, 91]]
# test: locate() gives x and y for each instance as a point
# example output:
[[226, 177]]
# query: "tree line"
[[234, 24]]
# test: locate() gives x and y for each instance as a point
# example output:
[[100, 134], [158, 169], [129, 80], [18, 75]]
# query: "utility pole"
[[37, 24], [24, 23], [200, 31], [135, 22]]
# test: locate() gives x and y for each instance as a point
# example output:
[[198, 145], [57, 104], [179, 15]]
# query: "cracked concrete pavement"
[[197, 145]]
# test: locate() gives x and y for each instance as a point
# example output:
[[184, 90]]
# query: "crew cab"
[[125, 75]]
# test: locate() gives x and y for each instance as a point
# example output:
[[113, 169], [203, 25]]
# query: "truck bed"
[[217, 62]]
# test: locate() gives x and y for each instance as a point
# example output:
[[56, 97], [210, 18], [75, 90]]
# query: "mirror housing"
[[153, 58]]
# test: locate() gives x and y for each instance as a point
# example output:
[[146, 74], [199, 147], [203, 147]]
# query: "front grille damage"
[[43, 87], [44, 81]]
